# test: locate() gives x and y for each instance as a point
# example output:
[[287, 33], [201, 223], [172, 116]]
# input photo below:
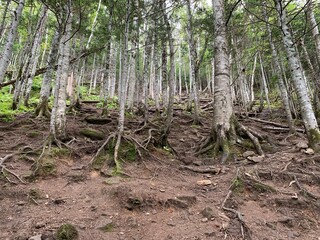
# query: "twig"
[[200, 170], [303, 189]]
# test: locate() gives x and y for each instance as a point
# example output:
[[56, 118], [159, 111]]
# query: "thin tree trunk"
[[42, 109], [35, 53], [58, 116], [5, 56], [307, 113], [282, 87], [4, 15]]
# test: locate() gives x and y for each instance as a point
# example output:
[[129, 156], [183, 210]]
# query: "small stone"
[[39, 225], [37, 237], [204, 220], [309, 151], [208, 213], [21, 203], [256, 159], [204, 182], [106, 173], [105, 225], [248, 154], [302, 145], [209, 234], [171, 223]]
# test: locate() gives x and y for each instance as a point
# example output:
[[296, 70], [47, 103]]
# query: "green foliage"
[[67, 232]]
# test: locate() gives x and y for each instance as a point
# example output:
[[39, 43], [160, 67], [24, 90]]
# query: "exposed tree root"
[[207, 169], [221, 141], [303, 190], [117, 140], [245, 230]]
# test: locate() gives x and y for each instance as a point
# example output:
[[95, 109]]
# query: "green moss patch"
[[67, 232], [92, 133]]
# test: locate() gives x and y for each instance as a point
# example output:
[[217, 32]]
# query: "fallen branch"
[[244, 226], [207, 169], [303, 190]]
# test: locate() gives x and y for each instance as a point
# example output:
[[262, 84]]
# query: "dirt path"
[[271, 198]]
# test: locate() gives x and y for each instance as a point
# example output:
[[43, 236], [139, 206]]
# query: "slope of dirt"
[[162, 196]]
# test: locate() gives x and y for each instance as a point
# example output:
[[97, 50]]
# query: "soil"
[[160, 196]]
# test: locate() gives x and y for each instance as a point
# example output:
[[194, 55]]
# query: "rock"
[[39, 225], [21, 203], [302, 145], [204, 220], [37, 237], [92, 133], [113, 180], [182, 201], [105, 225], [210, 234], [106, 173], [256, 159], [188, 199], [309, 151], [171, 223], [248, 154], [208, 213], [98, 121], [204, 182], [177, 203]]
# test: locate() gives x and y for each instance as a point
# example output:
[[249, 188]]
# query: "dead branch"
[[244, 226], [254, 140], [303, 190], [207, 169], [102, 148]]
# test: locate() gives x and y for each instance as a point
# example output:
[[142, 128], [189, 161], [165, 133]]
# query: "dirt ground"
[[161, 196]]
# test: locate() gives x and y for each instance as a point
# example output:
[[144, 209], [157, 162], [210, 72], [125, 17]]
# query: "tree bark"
[[58, 116], [307, 113], [7, 51]]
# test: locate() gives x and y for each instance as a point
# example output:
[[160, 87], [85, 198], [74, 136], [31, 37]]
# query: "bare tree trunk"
[[7, 51], [4, 15], [58, 115], [192, 57], [315, 33], [222, 108], [93, 25], [307, 113], [42, 109], [169, 117], [282, 87], [122, 86], [35, 53]]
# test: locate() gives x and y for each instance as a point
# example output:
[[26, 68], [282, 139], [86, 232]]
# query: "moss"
[[92, 133], [59, 152], [45, 167], [238, 185], [99, 161], [35, 193], [107, 228], [32, 134], [262, 188], [67, 232], [314, 139]]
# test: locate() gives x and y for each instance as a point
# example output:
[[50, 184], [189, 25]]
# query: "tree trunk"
[[4, 15], [42, 109], [58, 116], [7, 51], [222, 108], [307, 113], [35, 53], [315, 33]]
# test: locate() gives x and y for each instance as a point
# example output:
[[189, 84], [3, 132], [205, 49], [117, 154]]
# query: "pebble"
[[204, 182], [37, 237]]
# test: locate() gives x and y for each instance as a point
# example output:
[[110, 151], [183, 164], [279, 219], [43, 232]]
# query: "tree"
[[58, 115], [7, 52], [307, 113]]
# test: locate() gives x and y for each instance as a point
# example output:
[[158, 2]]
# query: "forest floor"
[[162, 196]]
